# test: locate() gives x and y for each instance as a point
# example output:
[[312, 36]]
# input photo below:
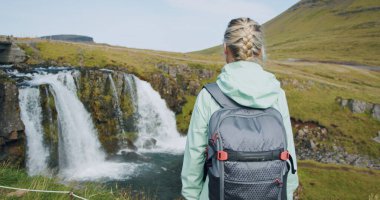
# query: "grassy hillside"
[[324, 30], [326, 181]]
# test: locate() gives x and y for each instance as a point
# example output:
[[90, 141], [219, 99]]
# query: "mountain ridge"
[[320, 30]]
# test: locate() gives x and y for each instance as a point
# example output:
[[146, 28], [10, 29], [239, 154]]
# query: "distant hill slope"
[[324, 30], [69, 38]]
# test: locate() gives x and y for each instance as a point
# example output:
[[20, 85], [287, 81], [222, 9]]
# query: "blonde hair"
[[244, 39]]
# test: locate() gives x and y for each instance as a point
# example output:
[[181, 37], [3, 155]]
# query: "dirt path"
[[371, 68]]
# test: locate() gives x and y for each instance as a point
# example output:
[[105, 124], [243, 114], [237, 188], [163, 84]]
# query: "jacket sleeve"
[[194, 156], [292, 182]]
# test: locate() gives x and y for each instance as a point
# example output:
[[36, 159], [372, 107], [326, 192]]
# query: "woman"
[[243, 80]]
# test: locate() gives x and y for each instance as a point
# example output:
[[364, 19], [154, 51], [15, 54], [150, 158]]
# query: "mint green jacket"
[[249, 85]]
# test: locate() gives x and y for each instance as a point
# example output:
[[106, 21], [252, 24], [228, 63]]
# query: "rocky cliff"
[[12, 135], [10, 52]]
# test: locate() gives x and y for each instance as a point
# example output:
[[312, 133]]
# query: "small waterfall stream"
[[130, 83], [117, 108], [37, 154], [156, 122]]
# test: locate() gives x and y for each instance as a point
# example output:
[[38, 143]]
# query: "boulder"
[[376, 111], [300, 134], [357, 106], [312, 145], [149, 143], [130, 145]]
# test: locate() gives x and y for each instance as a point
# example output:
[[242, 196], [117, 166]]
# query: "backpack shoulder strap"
[[223, 100]]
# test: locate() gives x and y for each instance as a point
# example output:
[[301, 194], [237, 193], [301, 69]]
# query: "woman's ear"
[[225, 48]]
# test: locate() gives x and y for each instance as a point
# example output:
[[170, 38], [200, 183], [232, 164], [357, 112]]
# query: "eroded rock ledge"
[[12, 135], [310, 140]]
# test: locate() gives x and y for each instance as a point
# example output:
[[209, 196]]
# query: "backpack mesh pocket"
[[257, 190], [253, 171]]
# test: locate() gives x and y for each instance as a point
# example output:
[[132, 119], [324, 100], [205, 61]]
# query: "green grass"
[[327, 32], [183, 119], [332, 31], [13, 177], [327, 181]]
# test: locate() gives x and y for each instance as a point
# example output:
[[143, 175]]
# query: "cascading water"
[[80, 153], [130, 83], [156, 122], [37, 154], [117, 108]]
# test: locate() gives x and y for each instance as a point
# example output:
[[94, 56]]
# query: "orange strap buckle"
[[284, 155], [222, 155]]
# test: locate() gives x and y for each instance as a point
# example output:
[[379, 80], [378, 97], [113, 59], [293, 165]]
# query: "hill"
[[69, 38], [346, 31]]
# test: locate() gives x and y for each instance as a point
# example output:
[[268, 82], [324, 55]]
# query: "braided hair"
[[244, 38]]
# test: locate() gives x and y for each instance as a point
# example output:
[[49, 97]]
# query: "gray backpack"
[[246, 156]]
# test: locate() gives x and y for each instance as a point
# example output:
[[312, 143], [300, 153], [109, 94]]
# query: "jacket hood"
[[249, 85]]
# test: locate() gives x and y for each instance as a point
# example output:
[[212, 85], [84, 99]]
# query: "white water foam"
[[157, 121], [31, 111]]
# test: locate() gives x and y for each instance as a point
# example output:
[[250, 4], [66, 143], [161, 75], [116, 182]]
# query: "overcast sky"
[[171, 25]]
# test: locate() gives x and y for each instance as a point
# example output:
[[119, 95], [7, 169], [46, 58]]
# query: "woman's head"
[[243, 40]]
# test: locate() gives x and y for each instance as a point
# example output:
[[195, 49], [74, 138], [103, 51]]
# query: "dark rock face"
[[96, 93], [176, 81], [168, 90], [12, 135], [50, 124], [10, 53]]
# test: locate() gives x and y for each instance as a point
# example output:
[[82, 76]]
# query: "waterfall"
[[117, 108], [131, 88], [156, 122], [31, 111], [80, 153]]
